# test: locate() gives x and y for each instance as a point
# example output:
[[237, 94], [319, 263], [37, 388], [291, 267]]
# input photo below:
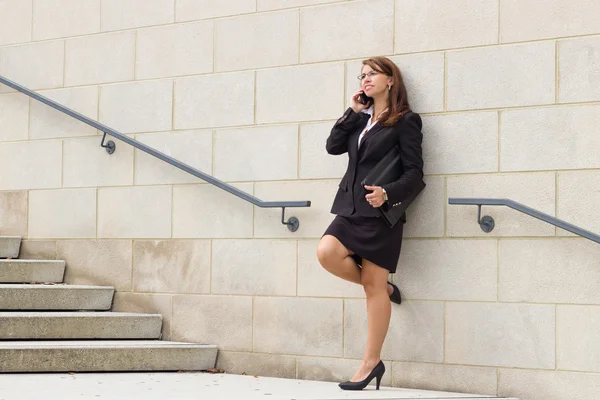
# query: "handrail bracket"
[[293, 224], [486, 223], [110, 146]]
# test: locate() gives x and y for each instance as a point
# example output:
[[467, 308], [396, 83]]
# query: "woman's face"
[[373, 83]]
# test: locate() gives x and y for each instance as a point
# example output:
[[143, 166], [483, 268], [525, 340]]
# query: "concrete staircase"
[[48, 326]]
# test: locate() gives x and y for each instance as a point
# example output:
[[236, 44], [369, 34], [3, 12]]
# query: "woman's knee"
[[327, 252], [373, 280]]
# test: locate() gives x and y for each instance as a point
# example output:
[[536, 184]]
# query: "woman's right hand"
[[355, 103]]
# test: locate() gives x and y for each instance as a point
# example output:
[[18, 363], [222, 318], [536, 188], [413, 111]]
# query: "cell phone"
[[365, 99]]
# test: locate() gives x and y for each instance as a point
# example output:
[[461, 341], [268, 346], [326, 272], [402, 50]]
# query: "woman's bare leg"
[[379, 309], [335, 258]]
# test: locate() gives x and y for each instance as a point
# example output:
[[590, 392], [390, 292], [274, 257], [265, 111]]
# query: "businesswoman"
[[358, 246]]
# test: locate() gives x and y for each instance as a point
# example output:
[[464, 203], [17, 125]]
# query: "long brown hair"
[[398, 97]]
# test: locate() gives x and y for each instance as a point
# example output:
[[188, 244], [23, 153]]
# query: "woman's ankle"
[[371, 362]]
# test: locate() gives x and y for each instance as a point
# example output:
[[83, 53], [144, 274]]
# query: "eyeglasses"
[[370, 74]]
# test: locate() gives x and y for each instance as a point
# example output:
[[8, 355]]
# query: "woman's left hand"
[[375, 198]]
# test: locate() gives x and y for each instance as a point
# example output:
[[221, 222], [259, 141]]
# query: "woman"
[[358, 246]]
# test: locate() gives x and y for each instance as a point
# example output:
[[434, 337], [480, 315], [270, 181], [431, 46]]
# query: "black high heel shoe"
[[395, 296], [377, 372]]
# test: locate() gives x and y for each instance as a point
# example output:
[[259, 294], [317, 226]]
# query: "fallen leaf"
[[214, 371]]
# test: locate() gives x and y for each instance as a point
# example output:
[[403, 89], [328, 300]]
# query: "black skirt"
[[370, 239]]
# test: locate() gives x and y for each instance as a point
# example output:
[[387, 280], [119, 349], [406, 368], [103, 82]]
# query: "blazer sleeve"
[[337, 142], [410, 139]]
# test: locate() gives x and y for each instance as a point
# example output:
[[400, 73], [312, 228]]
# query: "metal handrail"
[[292, 223], [487, 223]]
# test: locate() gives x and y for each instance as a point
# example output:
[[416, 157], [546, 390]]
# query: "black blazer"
[[350, 198]]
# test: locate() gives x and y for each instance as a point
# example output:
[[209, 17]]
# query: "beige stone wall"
[[509, 91]]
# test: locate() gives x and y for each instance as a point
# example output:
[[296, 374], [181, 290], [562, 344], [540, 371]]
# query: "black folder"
[[386, 171]]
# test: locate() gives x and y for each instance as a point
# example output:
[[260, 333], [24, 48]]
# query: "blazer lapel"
[[370, 134]]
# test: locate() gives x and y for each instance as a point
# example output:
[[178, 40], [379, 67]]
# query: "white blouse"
[[370, 124]]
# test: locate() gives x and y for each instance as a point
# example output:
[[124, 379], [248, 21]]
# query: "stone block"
[[46, 122], [21, 64], [501, 76], [97, 59], [86, 164], [148, 304], [63, 18], [547, 385], [442, 377], [13, 213], [257, 364], [135, 212], [269, 153], [284, 95], [502, 335], [439, 270], [137, 107], [99, 262], [15, 22], [433, 25], [576, 326], [172, 266], [257, 41], [423, 75], [214, 101], [194, 148], [205, 211], [175, 50], [549, 271], [31, 165], [62, 213], [254, 267], [579, 70], [14, 120], [550, 138], [314, 327], [461, 143], [127, 14], [524, 20], [578, 199], [370, 27], [225, 321], [38, 250]]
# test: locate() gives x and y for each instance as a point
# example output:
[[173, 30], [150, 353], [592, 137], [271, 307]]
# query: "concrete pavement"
[[196, 386]]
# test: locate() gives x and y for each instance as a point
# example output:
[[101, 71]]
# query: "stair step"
[[55, 297], [9, 246], [79, 325], [87, 356], [29, 271]]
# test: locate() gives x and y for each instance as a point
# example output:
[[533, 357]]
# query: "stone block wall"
[[247, 90]]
